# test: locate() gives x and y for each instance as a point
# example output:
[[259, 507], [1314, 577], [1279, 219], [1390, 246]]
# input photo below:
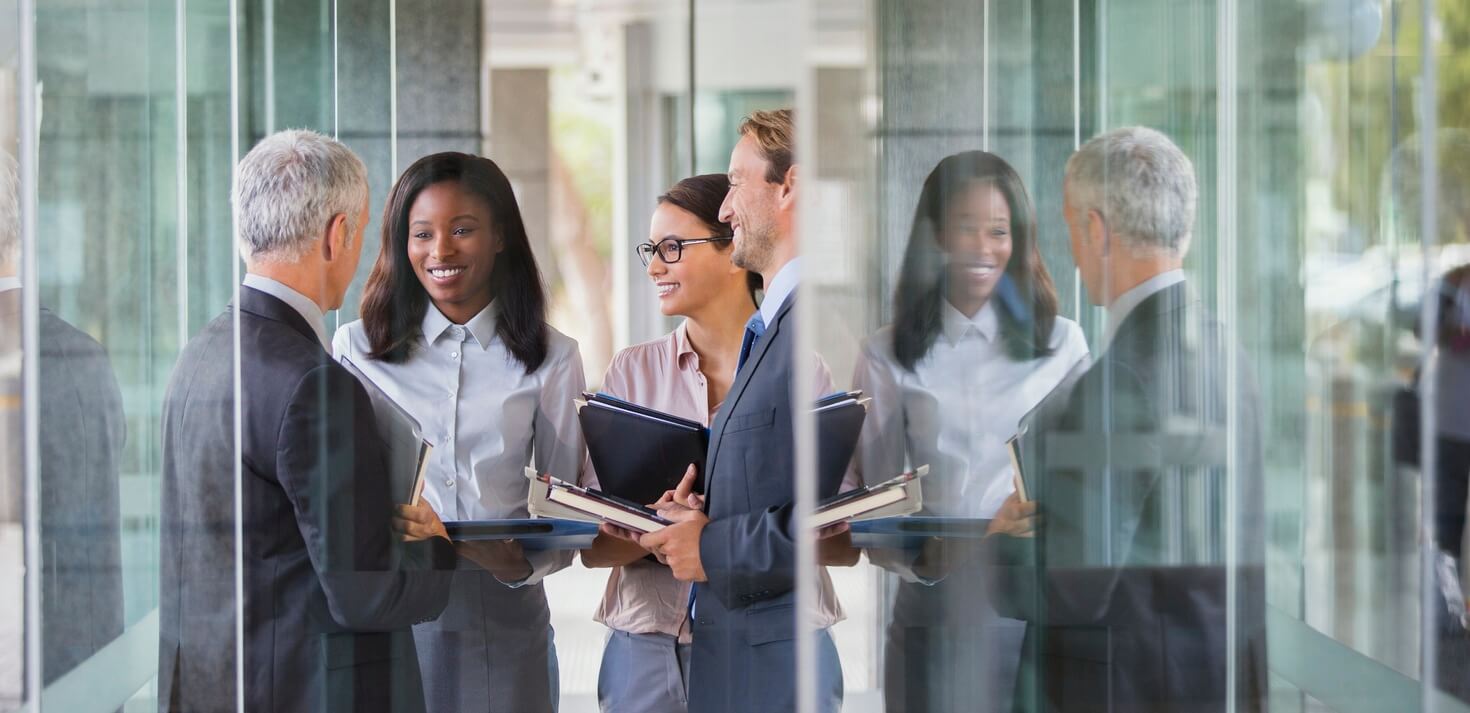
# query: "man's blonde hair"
[[775, 134]]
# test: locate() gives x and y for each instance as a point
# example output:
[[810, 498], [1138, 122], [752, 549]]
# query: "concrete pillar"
[[520, 142]]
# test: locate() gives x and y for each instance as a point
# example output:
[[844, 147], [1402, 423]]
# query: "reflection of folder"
[[839, 425], [1018, 471], [532, 534], [638, 453], [407, 451], [910, 532]]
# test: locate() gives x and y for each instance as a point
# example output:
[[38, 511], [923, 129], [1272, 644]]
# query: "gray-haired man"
[[327, 603], [1126, 582]]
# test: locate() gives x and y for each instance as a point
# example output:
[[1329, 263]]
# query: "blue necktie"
[[754, 329]]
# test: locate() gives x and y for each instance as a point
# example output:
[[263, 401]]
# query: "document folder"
[[532, 533], [407, 453], [639, 452], [910, 531]]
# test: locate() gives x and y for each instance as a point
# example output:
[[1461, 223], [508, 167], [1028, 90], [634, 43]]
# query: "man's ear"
[[788, 188], [1098, 233], [334, 239]]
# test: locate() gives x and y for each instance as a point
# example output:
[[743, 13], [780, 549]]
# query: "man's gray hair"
[[9, 209], [1143, 186], [289, 186]]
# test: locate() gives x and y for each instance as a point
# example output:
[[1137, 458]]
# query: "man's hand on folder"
[[834, 546], [678, 545], [683, 494], [503, 559], [1015, 518], [418, 522]]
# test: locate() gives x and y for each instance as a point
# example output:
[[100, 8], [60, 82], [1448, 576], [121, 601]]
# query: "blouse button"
[[449, 483]]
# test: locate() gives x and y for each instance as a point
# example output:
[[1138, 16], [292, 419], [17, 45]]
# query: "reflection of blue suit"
[[744, 656]]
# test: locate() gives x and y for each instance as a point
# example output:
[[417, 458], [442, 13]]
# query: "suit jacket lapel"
[[737, 389]]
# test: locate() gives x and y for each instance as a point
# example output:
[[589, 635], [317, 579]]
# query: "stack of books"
[[895, 497], [554, 498]]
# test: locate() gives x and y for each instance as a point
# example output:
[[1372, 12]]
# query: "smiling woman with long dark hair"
[[454, 330], [975, 344]]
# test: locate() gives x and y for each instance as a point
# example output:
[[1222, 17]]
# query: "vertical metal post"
[[236, 405], [1427, 108], [1227, 147], [28, 145]]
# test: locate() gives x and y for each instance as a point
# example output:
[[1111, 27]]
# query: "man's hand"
[[834, 546], [613, 547], [683, 494], [418, 522], [678, 545], [1015, 518], [505, 559]]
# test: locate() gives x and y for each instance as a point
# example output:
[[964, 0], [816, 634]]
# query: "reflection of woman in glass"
[[975, 344], [687, 373], [454, 330]]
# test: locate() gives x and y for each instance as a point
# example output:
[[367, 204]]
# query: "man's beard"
[[753, 251]]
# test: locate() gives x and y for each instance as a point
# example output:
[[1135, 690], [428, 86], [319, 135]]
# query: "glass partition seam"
[[1428, 320], [336, 71], [693, 77], [268, 19], [1226, 175], [1076, 132], [985, 76], [393, 91], [235, 329], [805, 381], [29, 144], [181, 166]]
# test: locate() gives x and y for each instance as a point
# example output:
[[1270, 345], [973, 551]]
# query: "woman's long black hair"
[[394, 301], [1026, 299]]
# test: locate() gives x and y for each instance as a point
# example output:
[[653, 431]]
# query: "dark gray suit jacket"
[[1125, 585], [744, 652], [329, 598]]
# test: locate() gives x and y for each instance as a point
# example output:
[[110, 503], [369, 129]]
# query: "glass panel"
[[12, 425], [1249, 458], [113, 285]]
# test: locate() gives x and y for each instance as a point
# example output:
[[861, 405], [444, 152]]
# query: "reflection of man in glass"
[[1125, 583], [1446, 366], [81, 435]]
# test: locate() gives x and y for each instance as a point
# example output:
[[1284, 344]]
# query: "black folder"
[[639, 452]]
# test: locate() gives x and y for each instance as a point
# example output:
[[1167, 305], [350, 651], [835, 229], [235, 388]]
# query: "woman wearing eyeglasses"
[[686, 373]]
